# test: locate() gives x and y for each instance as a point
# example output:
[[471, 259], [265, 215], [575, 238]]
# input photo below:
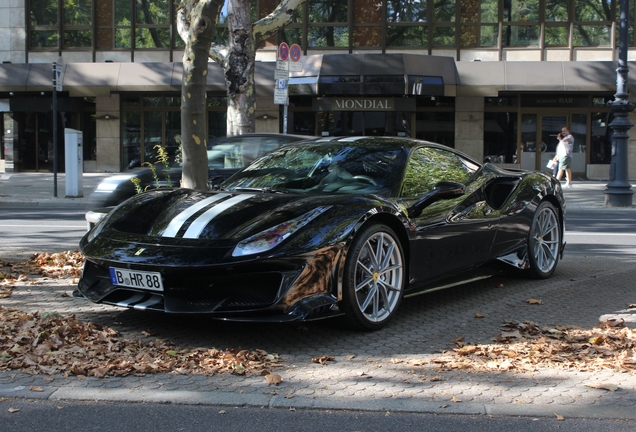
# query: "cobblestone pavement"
[[380, 375]]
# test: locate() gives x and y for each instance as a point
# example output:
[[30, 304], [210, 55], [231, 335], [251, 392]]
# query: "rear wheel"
[[373, 285], [544, 241]]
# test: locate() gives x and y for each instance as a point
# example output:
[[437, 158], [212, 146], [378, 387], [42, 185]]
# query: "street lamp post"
[[619, 192]]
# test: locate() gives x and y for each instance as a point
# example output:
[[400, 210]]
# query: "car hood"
[[218, 221]]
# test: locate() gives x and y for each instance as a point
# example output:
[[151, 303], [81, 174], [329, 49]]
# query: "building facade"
[[496, 79]]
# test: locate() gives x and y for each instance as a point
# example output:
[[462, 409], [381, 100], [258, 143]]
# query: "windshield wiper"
[[263, 190]]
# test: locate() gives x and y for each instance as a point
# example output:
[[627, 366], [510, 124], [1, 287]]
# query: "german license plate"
[[136, 279]]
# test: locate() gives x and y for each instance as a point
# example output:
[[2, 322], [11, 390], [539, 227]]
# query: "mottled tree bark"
[[245, 36], [196, 23], [239, 73]]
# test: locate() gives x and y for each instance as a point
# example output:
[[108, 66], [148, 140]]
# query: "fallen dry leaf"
[[612, 322], [534, 301], [454, 399], [273, 379], [222, 412], [559, 417], [36, 389], [323, 360], [349, 357], [478, 315], [13, 410], [468, 349], [603, 386]]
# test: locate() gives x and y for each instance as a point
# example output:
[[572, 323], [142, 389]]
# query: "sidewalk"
[[36, 189], [389, 370]]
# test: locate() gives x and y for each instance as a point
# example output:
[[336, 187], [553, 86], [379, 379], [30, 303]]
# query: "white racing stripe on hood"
[[175, 224], [195, 228]]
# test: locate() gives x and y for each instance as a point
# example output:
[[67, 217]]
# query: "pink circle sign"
[[283, 51], [295, 52]]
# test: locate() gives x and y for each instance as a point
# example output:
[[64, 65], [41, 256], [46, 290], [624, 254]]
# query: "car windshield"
[[334, 167]]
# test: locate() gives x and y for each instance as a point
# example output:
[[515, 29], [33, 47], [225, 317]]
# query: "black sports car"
[[339, 226]]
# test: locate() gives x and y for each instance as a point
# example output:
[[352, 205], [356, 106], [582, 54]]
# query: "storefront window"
[[528, 150], [345, 123], [500, 137], [217, 124], [303, 123], [601, 139], [131, 137], [160, 117], [438, 127]]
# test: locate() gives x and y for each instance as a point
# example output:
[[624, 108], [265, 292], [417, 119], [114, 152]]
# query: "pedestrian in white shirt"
[[564, 155]]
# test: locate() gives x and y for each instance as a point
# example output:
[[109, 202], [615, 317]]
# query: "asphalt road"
[[27, 230], [98, 416]]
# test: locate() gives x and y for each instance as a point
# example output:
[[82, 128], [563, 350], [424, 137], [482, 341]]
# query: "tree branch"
[[219, 54], [267, 26]]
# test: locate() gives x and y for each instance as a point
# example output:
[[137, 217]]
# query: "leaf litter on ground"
[[55, 344], [529, 347]]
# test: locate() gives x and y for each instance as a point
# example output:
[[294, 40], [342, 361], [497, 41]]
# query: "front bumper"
[[294, 288]]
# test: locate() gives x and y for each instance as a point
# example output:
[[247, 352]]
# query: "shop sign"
[[554, 101], [362, 104]]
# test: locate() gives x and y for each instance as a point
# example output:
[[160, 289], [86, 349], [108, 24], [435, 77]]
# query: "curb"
[[220, 398], [46, 204]]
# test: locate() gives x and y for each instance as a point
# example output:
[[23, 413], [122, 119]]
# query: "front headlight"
[[274, 236], [99, 223]]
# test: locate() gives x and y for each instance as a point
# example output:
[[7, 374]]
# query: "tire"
[[373, 288], [544, 241]]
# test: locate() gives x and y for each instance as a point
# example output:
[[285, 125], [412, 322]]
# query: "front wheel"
[[544, 241], [374, 279]]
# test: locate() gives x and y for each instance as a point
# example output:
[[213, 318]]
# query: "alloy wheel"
[[378, 277]]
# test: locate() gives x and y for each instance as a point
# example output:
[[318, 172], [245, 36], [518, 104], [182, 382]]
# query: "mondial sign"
[[366, 104]]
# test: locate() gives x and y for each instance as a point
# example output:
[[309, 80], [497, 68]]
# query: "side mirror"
[[441, 191]]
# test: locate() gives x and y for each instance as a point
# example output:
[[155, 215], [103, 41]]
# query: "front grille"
[[197, 288], [95, 280], [229, 292]]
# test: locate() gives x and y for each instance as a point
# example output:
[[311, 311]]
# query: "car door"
[[453, 234]]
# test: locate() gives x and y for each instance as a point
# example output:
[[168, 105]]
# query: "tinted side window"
[[428, 166]]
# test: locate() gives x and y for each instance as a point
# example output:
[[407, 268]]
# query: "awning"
[[459, 78], [102, 79], [409, 66], [490, 78]]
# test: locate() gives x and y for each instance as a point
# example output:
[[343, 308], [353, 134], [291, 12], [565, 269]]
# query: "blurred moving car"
[[337, 226], [226, 155]]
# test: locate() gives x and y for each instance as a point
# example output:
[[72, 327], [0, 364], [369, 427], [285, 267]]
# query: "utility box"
[[74, 162]]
